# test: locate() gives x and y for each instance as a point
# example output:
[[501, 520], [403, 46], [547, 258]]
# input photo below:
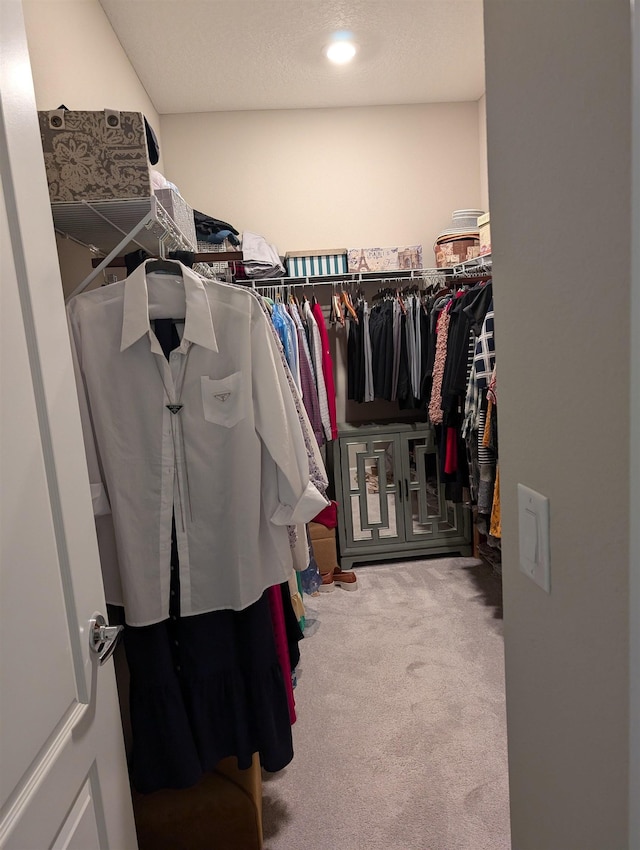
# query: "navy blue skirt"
[[203, 688]]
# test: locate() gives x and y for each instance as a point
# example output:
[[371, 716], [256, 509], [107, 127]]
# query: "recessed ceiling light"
[[341, 52]]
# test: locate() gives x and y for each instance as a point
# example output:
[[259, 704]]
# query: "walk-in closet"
[[305, 350]]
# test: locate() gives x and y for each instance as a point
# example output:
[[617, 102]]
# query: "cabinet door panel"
[[370, 476], [428, 514]]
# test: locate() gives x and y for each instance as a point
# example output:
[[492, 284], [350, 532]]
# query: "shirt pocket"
[[222, 400]]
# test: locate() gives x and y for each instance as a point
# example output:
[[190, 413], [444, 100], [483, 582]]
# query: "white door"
[[63, 779]]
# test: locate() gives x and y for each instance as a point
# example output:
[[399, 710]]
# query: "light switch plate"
[[533, 527]]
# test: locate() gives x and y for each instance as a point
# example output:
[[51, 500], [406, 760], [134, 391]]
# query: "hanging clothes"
[[396, 333], [327, 369], [484, 360], [302, 561], [276, 604], [442, 333], [201, 687], [355, 355], [381, 333], [310, 393], [288, 334], [457, 369], [315, 346], [188, 434], [387, 350]]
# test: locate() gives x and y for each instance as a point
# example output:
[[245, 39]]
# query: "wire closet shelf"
[[470, 270]]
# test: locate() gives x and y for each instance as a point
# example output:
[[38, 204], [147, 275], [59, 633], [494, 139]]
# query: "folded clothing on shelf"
[[260, 258]]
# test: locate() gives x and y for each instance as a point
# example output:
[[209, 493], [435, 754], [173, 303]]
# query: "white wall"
[[310, 179], [76, 59], [330, 178], [484, 175], [558, 109]]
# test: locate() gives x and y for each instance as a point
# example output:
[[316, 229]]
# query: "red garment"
[[327, 368], [451, 457], [282, 647], [328, 516]]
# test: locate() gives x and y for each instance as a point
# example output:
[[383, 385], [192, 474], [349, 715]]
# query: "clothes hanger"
[[333, 315], [164, 266], [346, 300], [336, 309]]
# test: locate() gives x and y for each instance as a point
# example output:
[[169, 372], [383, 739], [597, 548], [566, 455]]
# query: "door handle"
[[103, 638], [400, 490]]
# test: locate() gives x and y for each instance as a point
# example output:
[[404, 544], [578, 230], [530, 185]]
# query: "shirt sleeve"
[[99, 497], [289, 494]]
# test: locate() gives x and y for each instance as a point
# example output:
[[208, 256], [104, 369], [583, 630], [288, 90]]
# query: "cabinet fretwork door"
[[371, 469], [428, 514]]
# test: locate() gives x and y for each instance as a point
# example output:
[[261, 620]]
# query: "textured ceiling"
[[210, 55]]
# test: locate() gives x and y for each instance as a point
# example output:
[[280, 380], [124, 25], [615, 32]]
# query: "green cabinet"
[[391, 504]]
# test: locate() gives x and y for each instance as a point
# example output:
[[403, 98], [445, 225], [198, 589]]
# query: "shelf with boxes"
[[333, 261], [101, 188], [478, 268]]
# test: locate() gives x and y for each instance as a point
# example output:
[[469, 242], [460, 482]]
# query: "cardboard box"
[[323, 542], [224, 809], [318, 531]]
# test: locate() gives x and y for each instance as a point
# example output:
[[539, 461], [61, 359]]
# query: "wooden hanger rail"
[[204, 257]]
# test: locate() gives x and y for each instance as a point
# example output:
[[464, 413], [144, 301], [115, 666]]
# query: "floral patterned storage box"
[[95, 156]]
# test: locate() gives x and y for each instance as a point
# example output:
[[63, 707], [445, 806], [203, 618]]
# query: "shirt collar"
[[198, 326]]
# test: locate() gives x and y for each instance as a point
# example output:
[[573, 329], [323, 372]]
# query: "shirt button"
[[177, 643], [173, 593], [178, 668], [173, 617]]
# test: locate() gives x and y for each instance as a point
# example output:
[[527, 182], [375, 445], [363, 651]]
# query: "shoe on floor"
[[345, 579], [328, 583]]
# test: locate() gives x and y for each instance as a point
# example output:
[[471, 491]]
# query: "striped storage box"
[[316, 263]]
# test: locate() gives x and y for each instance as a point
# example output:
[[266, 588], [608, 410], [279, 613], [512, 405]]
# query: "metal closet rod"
[[452, 273]]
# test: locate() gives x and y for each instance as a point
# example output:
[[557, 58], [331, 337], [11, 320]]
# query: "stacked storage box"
[[102, 157], [484, 229], [461, 242], [316, 263], [323, 541]]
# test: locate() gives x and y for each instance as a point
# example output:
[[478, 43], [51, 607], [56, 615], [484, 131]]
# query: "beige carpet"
[[400, 742]]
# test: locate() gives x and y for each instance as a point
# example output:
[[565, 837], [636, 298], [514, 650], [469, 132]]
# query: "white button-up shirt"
[[231, 464]]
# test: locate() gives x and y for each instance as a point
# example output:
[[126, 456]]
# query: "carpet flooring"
[[400, 742]]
